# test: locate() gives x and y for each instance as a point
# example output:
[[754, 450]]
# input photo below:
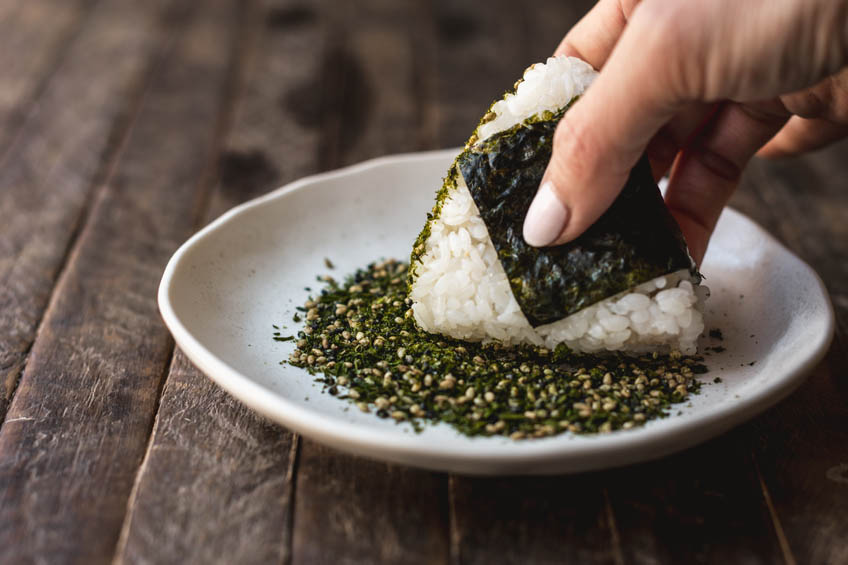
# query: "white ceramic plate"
[[227, 285]]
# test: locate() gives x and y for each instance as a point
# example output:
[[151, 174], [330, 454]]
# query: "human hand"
[[702, 86]]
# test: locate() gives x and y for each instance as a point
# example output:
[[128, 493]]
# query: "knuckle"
[[770, 112], [813, 102], [627, 7], [670, 35], [827, 100], [839, 93], [720, 167], [663, 22]]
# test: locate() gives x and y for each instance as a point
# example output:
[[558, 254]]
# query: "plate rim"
[[618, 449]]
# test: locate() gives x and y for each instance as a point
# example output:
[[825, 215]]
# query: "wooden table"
[[126, 125]]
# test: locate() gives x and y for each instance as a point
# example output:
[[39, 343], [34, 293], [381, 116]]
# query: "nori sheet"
[[634, 241]]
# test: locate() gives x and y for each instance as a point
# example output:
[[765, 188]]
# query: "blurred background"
[[350, 79], [126, 125]]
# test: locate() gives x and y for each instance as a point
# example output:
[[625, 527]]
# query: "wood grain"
[[33, 38], [217, 457], [351, 510], [701, 506], [76, 430], [531, 520], [48, 175], [370, 108], [266, 147], [215, 485]]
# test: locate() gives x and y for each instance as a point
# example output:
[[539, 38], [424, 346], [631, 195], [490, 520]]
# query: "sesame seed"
[[361, 336]]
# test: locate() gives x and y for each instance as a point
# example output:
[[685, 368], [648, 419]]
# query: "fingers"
[[707, 172], [662, 150], [822, 118], [827, 99], [600, 139], [594, 36], [801, 135]]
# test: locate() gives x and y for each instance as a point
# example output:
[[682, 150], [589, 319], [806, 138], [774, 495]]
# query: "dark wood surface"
[[125, 126]]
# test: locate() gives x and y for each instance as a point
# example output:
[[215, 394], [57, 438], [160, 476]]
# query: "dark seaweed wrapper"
[[635, 240]]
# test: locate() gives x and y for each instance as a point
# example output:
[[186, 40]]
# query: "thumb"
[[602, 136]]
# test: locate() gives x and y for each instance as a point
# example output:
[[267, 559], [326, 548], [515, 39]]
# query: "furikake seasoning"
[[361, 340]]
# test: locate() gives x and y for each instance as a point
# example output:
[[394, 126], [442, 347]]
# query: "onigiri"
[[628, 284]]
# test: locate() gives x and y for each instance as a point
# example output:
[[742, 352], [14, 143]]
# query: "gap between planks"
[[617, 554], [291, 480], [125, 528], [454, 542], [788, 557]]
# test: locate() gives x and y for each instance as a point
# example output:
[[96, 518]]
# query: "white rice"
[[461, 289], [545, 86]]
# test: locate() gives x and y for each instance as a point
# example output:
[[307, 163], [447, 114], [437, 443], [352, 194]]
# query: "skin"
[[702, 86]]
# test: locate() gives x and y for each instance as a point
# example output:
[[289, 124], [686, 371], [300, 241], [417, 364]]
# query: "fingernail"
[[546, 217]]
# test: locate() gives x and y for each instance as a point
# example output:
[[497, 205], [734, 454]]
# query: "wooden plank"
[[33, 37], [215, 484], [265, 148], [352, 510], [800, 448], [687, 508], [536, 520], [703, 506], [277, 131], [801, 445], [219, 458], [50, 172], [370, 57], [77, 428]]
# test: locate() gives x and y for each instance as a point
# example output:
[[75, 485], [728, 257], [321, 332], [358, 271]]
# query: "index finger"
[[594, 36]]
